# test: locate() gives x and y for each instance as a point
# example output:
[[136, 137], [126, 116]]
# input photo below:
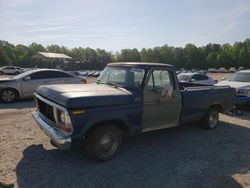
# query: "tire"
[[210, 120], [239, 111], [103, 142], [1, 72], [8, 95]]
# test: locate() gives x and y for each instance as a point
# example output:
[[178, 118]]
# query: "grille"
[[46, 110]]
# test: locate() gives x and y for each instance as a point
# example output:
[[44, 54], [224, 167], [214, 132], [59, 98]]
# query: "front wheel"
[[210, 121], [8, 95], [104, 142]]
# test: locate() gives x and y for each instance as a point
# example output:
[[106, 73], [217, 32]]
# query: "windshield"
[[126, 77], [240, 77], [183, 77]]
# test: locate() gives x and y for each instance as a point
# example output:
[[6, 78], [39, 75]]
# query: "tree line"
[[188, 57]]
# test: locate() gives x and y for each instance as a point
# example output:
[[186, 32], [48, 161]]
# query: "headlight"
[[248, 92], [61, 117], [64, 122], [244, 92]]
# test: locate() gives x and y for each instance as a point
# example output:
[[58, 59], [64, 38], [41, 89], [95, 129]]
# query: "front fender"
[[131, 115]]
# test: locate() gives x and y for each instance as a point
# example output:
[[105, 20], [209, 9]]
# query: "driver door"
[[162, 101]]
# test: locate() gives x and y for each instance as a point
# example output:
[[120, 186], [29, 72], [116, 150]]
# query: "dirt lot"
[[186, 156]]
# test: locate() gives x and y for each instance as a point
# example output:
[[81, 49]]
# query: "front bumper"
[[62, 141]]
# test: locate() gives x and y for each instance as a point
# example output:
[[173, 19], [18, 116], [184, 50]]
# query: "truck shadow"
[[180, 157]]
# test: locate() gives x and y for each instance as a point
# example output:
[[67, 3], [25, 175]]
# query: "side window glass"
[[57, 74], [158, 80], [203, 77], [196, 77], [38, 75], [161, 78], [150, 84]]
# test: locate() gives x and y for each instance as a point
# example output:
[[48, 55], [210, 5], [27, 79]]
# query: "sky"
[[119, 24]]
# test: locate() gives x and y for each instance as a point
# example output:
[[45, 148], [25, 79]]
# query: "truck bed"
[[197, 99]]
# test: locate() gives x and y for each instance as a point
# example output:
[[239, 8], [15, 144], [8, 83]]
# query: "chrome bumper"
[[60, 140]]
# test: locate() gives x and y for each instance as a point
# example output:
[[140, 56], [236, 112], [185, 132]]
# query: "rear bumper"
[[63, 142]]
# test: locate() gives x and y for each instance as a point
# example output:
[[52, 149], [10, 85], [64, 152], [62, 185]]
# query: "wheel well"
[[118, 123], [217, 107], [17, 92]]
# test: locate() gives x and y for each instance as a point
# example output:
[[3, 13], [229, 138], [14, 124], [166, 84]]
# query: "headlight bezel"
[[63, 121], [244, 92]]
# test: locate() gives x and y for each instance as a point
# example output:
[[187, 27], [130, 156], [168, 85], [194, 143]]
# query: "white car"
[[195, 78], [25, 84], [237, 80], [10, 70]]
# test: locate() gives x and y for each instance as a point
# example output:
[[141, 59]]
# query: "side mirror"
[[192, 80], [27, 78]]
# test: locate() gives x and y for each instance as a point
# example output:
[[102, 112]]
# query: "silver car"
[[196, 78], [24, 85], [237, 80], [10, 70]]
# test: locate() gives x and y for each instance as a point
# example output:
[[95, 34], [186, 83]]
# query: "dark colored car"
[[126, 98]]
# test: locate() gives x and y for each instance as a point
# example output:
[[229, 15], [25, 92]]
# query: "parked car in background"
[[213, 70], [196, 78], [202, 71], [223, 70], [241, 68], [24, 85], [97, 73], [77, 73], [232, 70], [178, 72], [237, 80], [10, 70]]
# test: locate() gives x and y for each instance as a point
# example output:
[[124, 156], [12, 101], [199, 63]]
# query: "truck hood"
[[85, 95], [233, 84]]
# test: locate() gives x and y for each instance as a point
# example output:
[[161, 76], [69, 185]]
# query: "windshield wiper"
[[108, 83], [112, 84]]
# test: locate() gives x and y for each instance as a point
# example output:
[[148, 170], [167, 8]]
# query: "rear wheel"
[[239, 111], [104, 142], [210, 121], [8, 95]]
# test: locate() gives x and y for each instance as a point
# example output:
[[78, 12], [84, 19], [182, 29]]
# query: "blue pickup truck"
[[126, 98]]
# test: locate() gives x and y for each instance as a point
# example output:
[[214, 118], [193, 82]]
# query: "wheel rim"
[[213, 119], [8, 96], [108, 144], [239, 112]]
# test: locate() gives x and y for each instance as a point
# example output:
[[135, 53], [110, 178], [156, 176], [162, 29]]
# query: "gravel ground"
[[185, 156]]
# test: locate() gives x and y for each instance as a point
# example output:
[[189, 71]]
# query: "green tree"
[[4, 60]]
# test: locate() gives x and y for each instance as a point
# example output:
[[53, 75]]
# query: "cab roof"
[[144, 65]]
